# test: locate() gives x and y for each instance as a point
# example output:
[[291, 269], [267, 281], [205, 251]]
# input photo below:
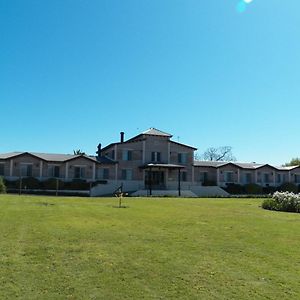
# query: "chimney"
[[122, 136], [99, 150]]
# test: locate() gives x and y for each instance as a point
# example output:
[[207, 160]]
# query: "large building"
[[148, 162]]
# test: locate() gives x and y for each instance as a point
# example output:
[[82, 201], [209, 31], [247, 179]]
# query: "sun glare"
[[242, 5]]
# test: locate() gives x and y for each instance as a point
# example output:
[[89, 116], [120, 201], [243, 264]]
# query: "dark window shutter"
[[152, 156], [158, 156], [129, 155]]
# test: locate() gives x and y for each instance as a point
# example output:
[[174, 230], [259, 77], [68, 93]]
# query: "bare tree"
[[223, 153], [78, 152]]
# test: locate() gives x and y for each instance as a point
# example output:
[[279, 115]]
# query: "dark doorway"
[[155, 179]]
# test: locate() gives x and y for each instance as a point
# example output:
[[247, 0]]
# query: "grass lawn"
[[84, 248]]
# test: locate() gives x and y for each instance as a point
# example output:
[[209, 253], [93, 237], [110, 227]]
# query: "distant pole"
[[150, 182], [179, 185], [57, 185], [20, 185]]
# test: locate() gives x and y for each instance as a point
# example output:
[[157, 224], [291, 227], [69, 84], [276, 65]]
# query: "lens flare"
[[241, 7]]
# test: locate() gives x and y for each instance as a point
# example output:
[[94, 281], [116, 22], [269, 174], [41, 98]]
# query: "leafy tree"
[[293, 162], [223, 153], [78, 152], [2, 186]]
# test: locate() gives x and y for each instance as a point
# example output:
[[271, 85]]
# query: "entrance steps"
[[193, 192], [209, 191], [164, 193]]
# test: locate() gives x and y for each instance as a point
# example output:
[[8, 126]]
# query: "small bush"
[[10, 184], [269, 190], [77, 184], [233, 188], [2, 186], [283, 201], [253, 189], [51, 184], [269, 204], [288, 187], [29, 183], [209, 183]]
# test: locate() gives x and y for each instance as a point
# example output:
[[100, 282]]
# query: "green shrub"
[[253, 189], [269, 190], [10, 184], [77, 184], [209, 183], [51, 184], [288, 187], [269, 204], [233, 188], [29, 183], [2, 186], [283, 201]]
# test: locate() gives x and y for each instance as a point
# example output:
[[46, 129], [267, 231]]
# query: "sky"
[[74, 73]]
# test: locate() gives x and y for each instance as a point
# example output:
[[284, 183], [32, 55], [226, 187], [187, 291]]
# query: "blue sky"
[[74, 73]]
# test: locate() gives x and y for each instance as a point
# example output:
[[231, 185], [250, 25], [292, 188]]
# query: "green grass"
[[84, 248]]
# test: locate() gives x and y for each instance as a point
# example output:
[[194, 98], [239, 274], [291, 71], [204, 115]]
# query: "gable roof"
[[52, 157], [249, 166], [218, 164], [157, 132]]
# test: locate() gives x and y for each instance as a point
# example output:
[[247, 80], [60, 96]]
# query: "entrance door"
[[155, 179]]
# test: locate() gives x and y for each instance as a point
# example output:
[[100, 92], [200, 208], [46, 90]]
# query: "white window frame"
[[127, 177], [22, 165], [125, 154], [82, 167], [52, 167]]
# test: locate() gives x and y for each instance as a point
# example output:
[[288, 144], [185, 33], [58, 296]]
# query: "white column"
[[167, 177], [116, 152], [193, 174], [116, 172], [169, 150], [255, 177], [67, 171], [94, 171], [274, 178], [11, 167], [218, 176], [289, 176], [238, 175], [144, 152], [41, 169]]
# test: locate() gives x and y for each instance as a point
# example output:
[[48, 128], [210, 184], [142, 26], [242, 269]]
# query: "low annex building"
[[147, 162]]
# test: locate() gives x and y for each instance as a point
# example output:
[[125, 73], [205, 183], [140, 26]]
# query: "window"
[[1, 169], [79, 172], [182, 158], [183, 176], [103, 173], [266, 178], [26, 170], [53, 171], [155, 156], [229, 176], [127, 155], [297, 178], [203, 176], [248, 178], [278, 178], [127, 174]]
